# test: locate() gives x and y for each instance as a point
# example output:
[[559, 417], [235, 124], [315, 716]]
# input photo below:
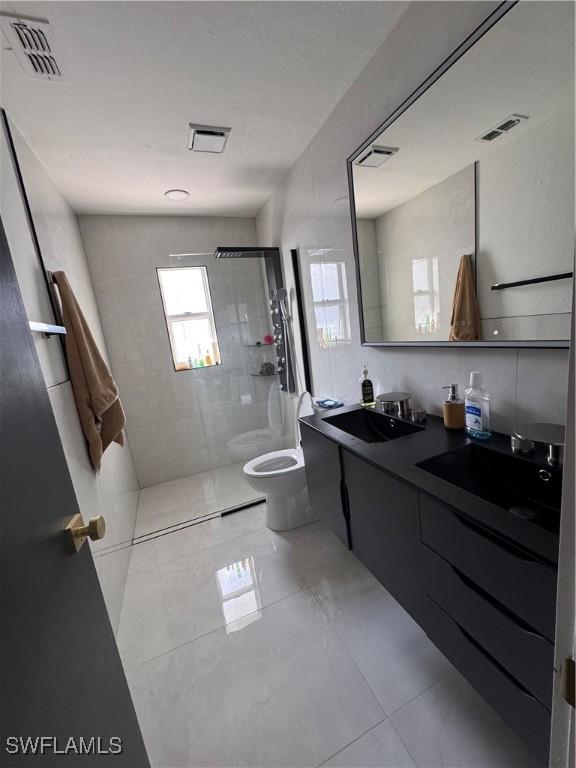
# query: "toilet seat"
[[275, 463]]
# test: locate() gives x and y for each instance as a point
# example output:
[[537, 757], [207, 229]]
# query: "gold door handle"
[[77, 532]]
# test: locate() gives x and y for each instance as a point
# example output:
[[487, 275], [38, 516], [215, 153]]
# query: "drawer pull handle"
[[506, 546], [346, 510], [521, 624], [502, 669], [487, 655]]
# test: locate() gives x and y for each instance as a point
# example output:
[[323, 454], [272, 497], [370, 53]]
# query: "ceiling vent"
[[207, 138], [375, 156], [502, 128], [34, 46]]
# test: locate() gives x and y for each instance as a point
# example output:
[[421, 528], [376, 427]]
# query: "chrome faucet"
[[543, 433]]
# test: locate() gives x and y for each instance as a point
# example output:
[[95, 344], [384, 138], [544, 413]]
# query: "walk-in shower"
[[228, 325]]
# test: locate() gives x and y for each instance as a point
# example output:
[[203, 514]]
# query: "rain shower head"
[[244, 252]]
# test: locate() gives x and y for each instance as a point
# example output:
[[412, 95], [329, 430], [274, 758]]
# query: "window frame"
[[207, 315]]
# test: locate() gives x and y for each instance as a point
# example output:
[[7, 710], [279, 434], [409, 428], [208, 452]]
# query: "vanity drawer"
[[517, 706], [524, 653], [518, 580]]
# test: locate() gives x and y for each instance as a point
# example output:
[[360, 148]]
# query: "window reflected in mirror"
[[425, 287], [330, 301]]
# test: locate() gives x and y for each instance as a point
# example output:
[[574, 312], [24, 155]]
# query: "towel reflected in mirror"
[[465, 323]]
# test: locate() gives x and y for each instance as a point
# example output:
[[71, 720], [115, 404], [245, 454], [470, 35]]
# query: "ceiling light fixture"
[[176, 194]]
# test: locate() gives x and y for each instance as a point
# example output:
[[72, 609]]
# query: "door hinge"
[[568, 681]]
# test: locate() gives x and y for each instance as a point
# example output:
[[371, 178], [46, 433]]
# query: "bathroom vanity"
[[464, 535]]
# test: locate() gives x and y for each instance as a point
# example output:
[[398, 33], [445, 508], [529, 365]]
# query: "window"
[[330, 298], [189, 317], [425, 282]]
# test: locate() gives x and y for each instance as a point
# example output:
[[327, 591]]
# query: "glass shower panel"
[[239, 406]]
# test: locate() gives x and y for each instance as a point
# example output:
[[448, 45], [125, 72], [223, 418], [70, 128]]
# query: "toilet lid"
[[275, 463]]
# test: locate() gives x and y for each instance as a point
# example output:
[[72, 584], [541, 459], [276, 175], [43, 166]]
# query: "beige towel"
[[95, 392], [465, 324]]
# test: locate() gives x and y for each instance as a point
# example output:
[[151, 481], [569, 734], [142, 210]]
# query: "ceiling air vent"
[[375, 156], [207, 138], [502, 128], [34, 46]]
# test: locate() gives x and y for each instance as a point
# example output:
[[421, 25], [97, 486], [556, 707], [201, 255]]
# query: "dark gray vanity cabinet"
[[486, 601], [385, 530], [490, 610], [324, 479], [520, 581]]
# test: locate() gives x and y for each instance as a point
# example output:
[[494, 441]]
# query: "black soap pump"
[[367, 389]]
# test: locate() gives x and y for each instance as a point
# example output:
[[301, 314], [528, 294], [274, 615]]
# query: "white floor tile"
[[233, 661], [196, 538], [451, 725], [392, 652], [317, 552], [379, 748], [192, 497], [168, 604], [280, 691]]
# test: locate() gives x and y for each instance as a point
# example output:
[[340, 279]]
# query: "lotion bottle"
[[367, 389], [477, 408], [453, 409]]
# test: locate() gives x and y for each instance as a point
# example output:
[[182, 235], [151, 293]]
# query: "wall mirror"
[[463, 200]]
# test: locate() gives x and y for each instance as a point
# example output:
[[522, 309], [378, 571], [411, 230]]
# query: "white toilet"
[[258, 441], [282, 477]]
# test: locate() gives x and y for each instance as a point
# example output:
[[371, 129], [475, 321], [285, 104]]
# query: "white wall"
[[374, 293], [437, 224], [310, 211], [114, 492], [526, 209], [179, 422]]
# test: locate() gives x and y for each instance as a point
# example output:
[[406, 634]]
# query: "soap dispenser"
[[366, 389], [453, 409]]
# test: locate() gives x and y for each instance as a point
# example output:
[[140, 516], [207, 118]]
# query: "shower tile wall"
[[179, 423]]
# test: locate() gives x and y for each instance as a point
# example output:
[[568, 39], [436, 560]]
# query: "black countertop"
[[401, 456]]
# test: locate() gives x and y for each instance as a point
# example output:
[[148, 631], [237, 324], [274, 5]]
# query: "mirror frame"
[[491, 20]]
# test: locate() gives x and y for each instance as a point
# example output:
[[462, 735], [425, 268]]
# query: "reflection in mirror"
[[330, 301], [483, 164]]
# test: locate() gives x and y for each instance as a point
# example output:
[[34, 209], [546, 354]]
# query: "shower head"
[[281, 297], [243, 252]]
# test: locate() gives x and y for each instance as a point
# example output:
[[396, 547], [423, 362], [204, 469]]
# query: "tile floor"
[[188, 498], [245, 647]]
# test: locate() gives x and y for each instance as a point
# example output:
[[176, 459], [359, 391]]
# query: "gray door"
[[60, 673]]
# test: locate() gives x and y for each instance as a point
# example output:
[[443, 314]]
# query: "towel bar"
[[48, 329], [531, 281]]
